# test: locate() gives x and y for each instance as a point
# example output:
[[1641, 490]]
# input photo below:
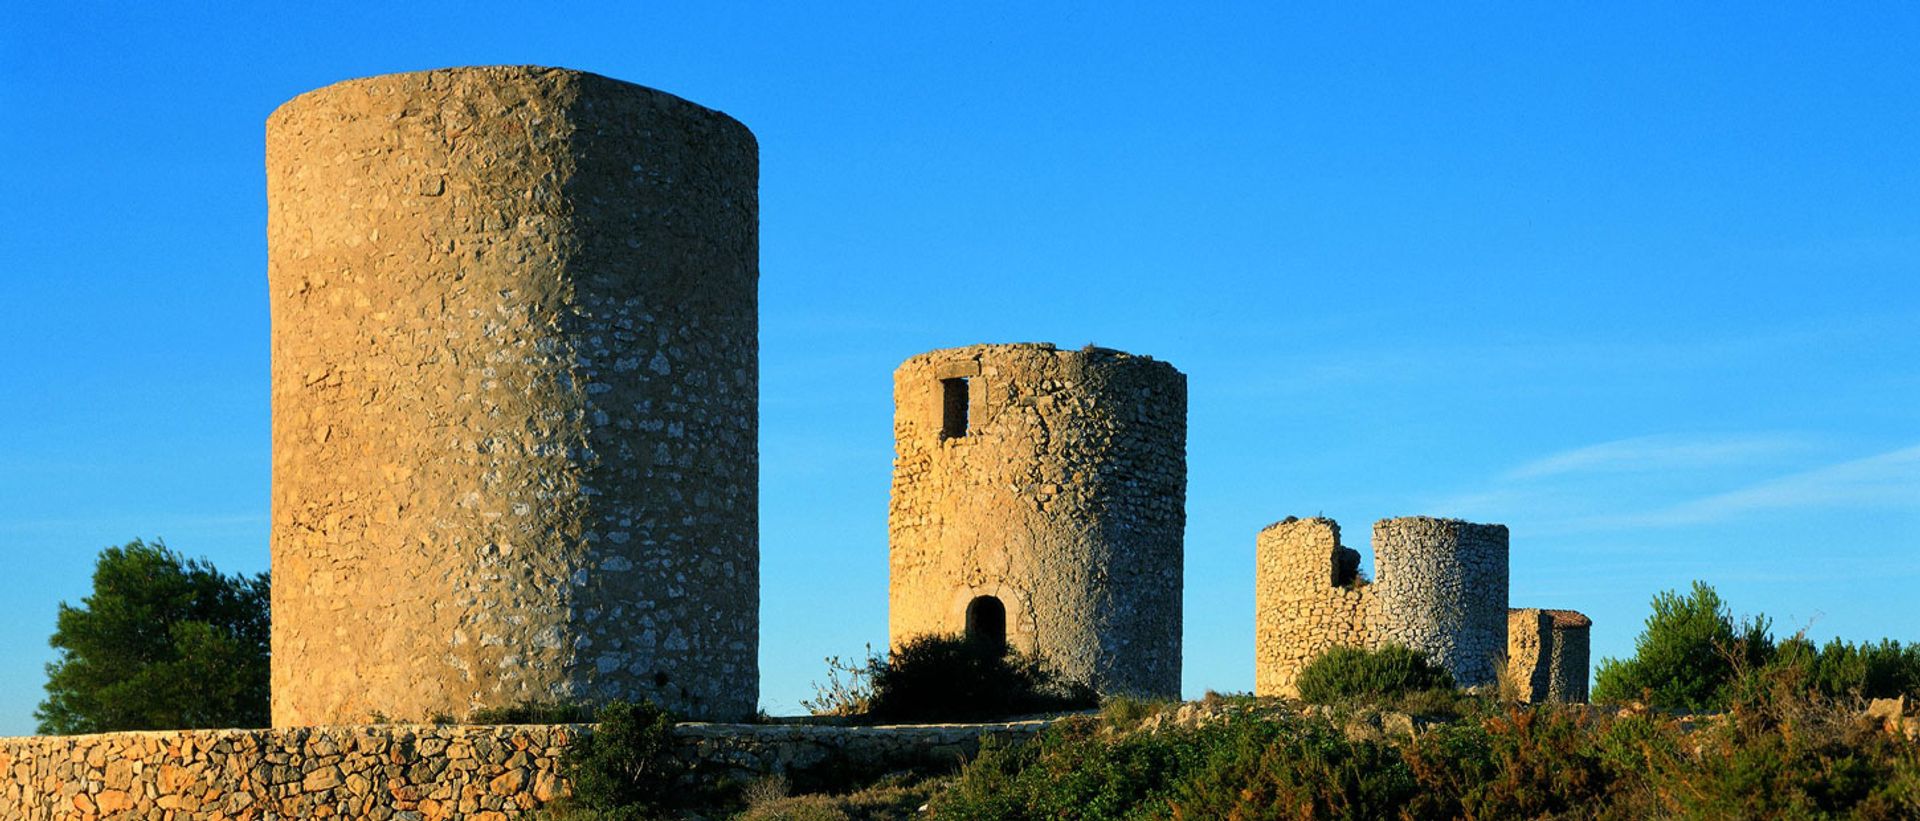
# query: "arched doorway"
[[987, 622]]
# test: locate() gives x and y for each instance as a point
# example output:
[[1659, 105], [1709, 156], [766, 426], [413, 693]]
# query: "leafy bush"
[[1841, 668], [947, 678], [1781, 753], [1686, 656], [891, 797], [162, 643], [534, 712], [1792, 743], [1522, 763], [1255, 768], [1073, 770], [625, 768], [1347, 674], [1786, 750]]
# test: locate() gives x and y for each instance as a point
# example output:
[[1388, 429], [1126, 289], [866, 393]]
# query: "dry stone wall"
[[421, 772], [514, 362], [371, 771], [1053, 483], [1440, 587]]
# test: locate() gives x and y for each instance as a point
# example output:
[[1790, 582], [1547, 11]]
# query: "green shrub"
[[1527, 762], [534, 712], [1844, 669], [1262, 768], [1073, 770], [1687, 655], [1348, 674], [625, 768], [947, 678], [1783, 751]]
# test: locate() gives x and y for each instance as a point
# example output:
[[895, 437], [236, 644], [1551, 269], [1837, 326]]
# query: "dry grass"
[[891, 798]]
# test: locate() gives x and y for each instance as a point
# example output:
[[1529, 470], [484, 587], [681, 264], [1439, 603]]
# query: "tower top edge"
[[498, 74], [1093, 354]]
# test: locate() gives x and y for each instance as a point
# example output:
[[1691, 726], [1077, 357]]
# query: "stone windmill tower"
[[514, 397], [1039, 500]]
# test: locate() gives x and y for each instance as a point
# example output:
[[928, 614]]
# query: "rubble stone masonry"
[[416, 772], [1440, 588], [1308, 598], [514, 364], [1040, 494]]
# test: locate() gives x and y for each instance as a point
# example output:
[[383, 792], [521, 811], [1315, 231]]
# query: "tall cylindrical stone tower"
[[1441, 587], [514, 397], [1039, 498]]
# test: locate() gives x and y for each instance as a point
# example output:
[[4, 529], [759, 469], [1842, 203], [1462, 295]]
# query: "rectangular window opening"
[[953, 419]]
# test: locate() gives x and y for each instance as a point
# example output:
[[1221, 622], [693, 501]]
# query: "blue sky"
[[1641, 283]]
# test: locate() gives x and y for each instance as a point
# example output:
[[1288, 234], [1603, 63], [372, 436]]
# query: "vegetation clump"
[[1693, 655], [935, 678], [1350, 674], [1792, 742], [626, 769], [1782, 752], [162, 643], [1686, 655]]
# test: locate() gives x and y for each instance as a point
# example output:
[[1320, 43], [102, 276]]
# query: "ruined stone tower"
[[1440, 587], [1547, 654], [514, 397], [1039, 498]]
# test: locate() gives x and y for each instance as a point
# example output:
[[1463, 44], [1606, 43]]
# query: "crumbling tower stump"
[[1440, 588], [514, 364], [1039, 500]]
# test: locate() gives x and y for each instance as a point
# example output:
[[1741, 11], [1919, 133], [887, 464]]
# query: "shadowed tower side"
[[514, 397]]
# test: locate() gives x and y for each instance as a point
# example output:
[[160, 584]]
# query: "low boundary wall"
[[404, 771]]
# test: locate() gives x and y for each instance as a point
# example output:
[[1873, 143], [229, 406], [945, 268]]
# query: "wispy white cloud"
[[1663, 452], [1886, 479], [1673, 481]]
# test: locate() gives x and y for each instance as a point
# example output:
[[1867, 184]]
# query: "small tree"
[[1686, 656], [626, 768], [162, 643]]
